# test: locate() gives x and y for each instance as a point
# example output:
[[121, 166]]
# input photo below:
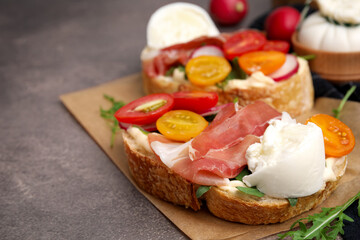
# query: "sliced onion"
[[208, 50], [148, 127], [289, 68], [213, 110]]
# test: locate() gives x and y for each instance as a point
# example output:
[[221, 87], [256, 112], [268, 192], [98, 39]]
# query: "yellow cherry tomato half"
[[207, 70], [264, 61], [181, 125], [338, 138]]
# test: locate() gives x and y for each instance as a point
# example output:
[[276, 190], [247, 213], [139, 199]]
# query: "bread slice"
[[294, 95], [154, 177]]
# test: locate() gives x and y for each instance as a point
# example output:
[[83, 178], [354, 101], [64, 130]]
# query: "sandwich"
[[186, 52], [251, 164]]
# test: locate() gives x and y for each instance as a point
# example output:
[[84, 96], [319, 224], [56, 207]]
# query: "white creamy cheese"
[[289, 161], [317, 33], [178, 23], [140, 137], [345, 11]]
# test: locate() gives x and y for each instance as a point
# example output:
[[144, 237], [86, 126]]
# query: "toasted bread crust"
[[154, 177], [294, 95], [250, 210], [151, 175]]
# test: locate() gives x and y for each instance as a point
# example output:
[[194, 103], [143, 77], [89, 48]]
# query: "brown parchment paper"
[[85, 105]]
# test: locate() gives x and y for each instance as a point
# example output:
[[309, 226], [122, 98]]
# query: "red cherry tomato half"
[[196, 101], [243, 42], [276, 45], [145, 110]]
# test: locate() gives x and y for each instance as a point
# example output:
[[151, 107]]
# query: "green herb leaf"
[[324, 225], [251, 191], [171, 70], [242, 174], [292, 201], [343, 101], [308, 57], [109, 116], [240, 73], [142, 130], [223, 84], [201, 190], [303, 14]]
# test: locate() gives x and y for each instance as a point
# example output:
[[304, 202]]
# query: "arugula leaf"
[[222, 84], [240, 73], [201, 190], [171, 70], [292, 201], [324, 225], [142, 130], [251, 191], [236, 73], [306, 57], [109, 116], [343, 101], [304, 13], [242, 174]]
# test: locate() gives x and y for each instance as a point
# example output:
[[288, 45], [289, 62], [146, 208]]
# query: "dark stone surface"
[[55, 182]]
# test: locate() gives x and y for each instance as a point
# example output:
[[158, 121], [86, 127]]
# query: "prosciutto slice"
[[222, 145], [177, 54], [231, 129]]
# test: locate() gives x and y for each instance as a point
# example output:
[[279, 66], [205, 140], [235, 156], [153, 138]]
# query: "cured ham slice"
[[228, 131], [229, 136], [216, 169], [178, 54], [221, 164]]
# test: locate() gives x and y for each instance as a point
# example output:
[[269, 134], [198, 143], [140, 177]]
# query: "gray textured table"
[[55, 182]]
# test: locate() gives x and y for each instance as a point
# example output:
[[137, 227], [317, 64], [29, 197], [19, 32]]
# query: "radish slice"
[[213, 110], [148, 127], [208, 50], [289, 68]]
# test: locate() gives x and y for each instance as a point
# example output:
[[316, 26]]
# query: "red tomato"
[[281, 23], [276, 45], [228, 12], [196, 101], [243, 42], [145, 110]]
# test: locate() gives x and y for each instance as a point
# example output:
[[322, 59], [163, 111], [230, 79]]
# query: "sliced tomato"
[[243, 42], [265, 61], [276, 45], [181, 125], [196, 101], [338, 138], [207, 70], [145, 110]]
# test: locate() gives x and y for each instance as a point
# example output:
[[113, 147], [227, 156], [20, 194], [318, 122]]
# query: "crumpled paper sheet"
[[85, 105]]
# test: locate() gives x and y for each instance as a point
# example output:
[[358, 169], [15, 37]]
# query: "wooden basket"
[[333, 66]]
